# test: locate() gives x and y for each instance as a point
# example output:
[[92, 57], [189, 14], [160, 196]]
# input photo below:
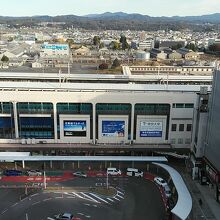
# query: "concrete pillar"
[[16, 167], [73, 165], [55, 121], [78, 165], [51, 164], [105, 164], [15, 119], [23, 164], [94, 122], [148, 167], [132, 122], [63, 165]]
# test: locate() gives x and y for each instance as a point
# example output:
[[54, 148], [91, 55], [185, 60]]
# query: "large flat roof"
[[99, 86]]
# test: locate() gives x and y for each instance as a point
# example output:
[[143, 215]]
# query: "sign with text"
[[75, 128], [113, 128], [151, 129]]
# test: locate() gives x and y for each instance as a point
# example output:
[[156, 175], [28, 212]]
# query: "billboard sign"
[[151, 129], [113, 128], [75, 128]]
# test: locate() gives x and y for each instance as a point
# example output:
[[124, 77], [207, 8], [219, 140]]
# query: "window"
[[189, 105], [173, 141], [189, 127], [181, 127], [173, 127], [179, 105], [180, 141], [187, 141]]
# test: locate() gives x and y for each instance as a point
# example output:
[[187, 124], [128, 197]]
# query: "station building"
[[123, 114]]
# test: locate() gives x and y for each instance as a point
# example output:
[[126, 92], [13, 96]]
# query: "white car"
[[113, 171], [160, 181], [34, 173], [80, 174], [167, 191]]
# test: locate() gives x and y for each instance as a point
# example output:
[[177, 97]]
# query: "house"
[[172, 54], [158, 54], [188, 54], [82, 51]]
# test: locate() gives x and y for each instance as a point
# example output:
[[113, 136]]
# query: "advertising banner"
[[76, 128], [151, 129], [113, 128]]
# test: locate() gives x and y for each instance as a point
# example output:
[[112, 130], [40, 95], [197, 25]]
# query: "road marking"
[[47, 199], [4, 211], [79, 213], [90, 197], [119, 188], [58, 197], [98, 197], [35, 194], [116, 198], [111, 200], [77, 195], [14, 204], [95, 206], [36, 203], [120, 192], [70, 197], [48, 218], [87, 216], [87, 204], [119, 196]]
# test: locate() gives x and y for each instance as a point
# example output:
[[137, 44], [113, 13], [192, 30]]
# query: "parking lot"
[[134, 198]]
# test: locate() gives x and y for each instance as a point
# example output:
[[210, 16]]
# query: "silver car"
[[34, 173], [80, 174]]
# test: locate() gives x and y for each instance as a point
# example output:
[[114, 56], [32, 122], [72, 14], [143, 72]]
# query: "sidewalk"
[[209, 209]]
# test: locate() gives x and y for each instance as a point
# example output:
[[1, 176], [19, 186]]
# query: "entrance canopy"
[[82, 158], [183, 206]]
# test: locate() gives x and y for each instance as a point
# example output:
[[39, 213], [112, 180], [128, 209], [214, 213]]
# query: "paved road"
[[135, 199]]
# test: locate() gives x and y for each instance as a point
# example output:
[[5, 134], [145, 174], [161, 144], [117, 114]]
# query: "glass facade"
[[152, 109], [34, 126], [113, 109], [74, 109], [7, 130]]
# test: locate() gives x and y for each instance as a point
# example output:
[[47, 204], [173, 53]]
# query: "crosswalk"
[[95, 198]]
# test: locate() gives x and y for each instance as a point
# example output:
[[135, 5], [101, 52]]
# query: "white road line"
[[36, 203], [116, 198], [4, 211], [58, 197], [70, 197], [24, 199], [47, 199], [89, 197], [87, 216], [14, 204], [95, 206], [120, 192], [111, 200], [87, 204], [77, 195], [79, 213], [35, 194], [98, 197], [119, 196], [48, 218], [119, 188]]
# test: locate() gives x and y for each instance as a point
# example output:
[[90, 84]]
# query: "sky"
[[84, 7]]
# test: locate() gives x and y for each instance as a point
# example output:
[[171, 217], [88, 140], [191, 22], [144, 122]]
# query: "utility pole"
[[107, 184], [45, 181]]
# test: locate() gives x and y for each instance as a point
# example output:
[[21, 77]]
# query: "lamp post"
[[45, 181]]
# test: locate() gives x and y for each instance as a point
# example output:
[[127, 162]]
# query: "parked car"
[[134, 172], [66, 216], [12, 172], [80, 174], [167, 191], [34, 173], [160, 181], [113, 171]]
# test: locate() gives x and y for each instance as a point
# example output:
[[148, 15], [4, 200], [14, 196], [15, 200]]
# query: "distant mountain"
[[120, 21], [213, 18]]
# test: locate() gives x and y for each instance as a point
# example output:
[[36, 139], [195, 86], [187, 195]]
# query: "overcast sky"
[[83, 7]]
